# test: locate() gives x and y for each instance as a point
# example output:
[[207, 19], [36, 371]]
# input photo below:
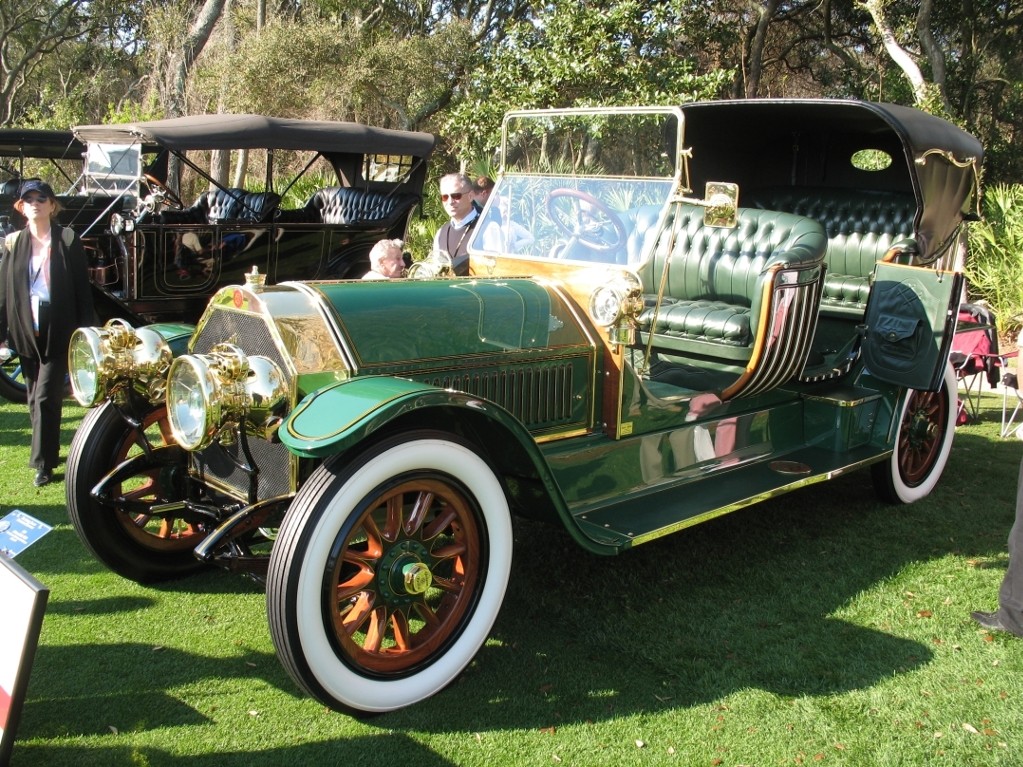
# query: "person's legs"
[[45, 382], [1009, 616], [1010, 595], [30, 372]]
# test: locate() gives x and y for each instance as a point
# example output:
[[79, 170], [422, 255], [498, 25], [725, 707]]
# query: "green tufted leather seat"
[[718, 278], [861, 225]]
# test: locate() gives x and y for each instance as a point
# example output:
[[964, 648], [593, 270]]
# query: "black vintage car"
[[172, 253], [159, 253], [628, 359]]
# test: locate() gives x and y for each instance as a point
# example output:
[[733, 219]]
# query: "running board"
[[647, 517]]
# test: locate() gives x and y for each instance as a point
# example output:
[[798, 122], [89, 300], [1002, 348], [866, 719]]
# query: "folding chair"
[[974, 356], [1010, 386]]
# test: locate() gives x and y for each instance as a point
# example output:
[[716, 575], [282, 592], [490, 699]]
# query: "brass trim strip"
[[766, 307]]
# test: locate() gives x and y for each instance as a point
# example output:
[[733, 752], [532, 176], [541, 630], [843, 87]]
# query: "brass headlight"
[[206, 392], [100, 360], [88, 366], [193, 404], [619, 297]]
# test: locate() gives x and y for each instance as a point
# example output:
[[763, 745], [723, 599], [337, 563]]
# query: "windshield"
[[583, 184], [632, 143], [596, 220], [112, 168]]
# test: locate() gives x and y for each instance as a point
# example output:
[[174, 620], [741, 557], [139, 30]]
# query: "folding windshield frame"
[[599, 128]]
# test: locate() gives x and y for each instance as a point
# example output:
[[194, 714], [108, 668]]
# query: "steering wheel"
[[585, 220], [172, 199]]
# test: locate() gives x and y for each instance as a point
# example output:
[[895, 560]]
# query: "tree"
[[962, 60], [30, 36], [175, 54], [928, 92], [455, 66], [574, 54]]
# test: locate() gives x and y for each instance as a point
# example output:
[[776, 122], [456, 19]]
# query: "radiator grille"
[[248, 331], [540, 396], [273, 460], [251, 334]]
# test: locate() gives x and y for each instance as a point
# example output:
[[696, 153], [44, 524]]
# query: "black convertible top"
[[248, 131], [809, 143], [801, 134], [43, 144]]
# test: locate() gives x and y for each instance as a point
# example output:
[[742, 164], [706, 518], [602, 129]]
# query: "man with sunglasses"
[[456, 195]]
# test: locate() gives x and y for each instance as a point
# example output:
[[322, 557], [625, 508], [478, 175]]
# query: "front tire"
[[139, 546], [388, 573], [924, 440]]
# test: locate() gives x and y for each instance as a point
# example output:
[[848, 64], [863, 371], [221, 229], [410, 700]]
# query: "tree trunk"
[[242, 167], [933, 51], [182, 64], [191, 47], [755, 65], [898, 54]]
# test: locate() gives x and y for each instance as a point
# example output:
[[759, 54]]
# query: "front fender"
[[176, 334], [334, 418], [108, 490]]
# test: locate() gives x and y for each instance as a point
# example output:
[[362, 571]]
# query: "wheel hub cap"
[[418, 577], [404, 575], [921, 430]]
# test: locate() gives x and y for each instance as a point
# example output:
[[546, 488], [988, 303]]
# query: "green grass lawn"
[[819, 628]]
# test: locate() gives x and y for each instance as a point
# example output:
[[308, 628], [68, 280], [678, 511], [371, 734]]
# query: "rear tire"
[[388, 573], [922, 444], [12, 383]]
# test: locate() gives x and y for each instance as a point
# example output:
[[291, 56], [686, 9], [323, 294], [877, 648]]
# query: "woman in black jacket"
[[44, 296]]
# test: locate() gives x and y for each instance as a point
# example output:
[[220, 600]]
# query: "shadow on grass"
[[61, 552], [367, 751], [102, 606], [744, 601], [78, 688]]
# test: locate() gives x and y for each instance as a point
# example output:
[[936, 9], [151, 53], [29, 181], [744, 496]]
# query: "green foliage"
[[580, 54], [994, 267], [148, 109], [301, 190], [330, 69], [54, 114]]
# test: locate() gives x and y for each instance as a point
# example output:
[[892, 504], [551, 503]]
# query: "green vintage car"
[[627, 359]]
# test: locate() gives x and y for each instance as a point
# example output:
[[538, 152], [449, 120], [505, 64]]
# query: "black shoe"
[[43, 477], [991, 621]]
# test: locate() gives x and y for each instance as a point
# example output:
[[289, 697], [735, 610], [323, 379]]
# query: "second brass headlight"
[[206, 392]]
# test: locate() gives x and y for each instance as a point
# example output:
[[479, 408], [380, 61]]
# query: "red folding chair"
[[974, 356]]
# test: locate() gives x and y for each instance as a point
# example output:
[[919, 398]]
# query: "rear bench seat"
[[861, 225], [348, 205], [744, 298]]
